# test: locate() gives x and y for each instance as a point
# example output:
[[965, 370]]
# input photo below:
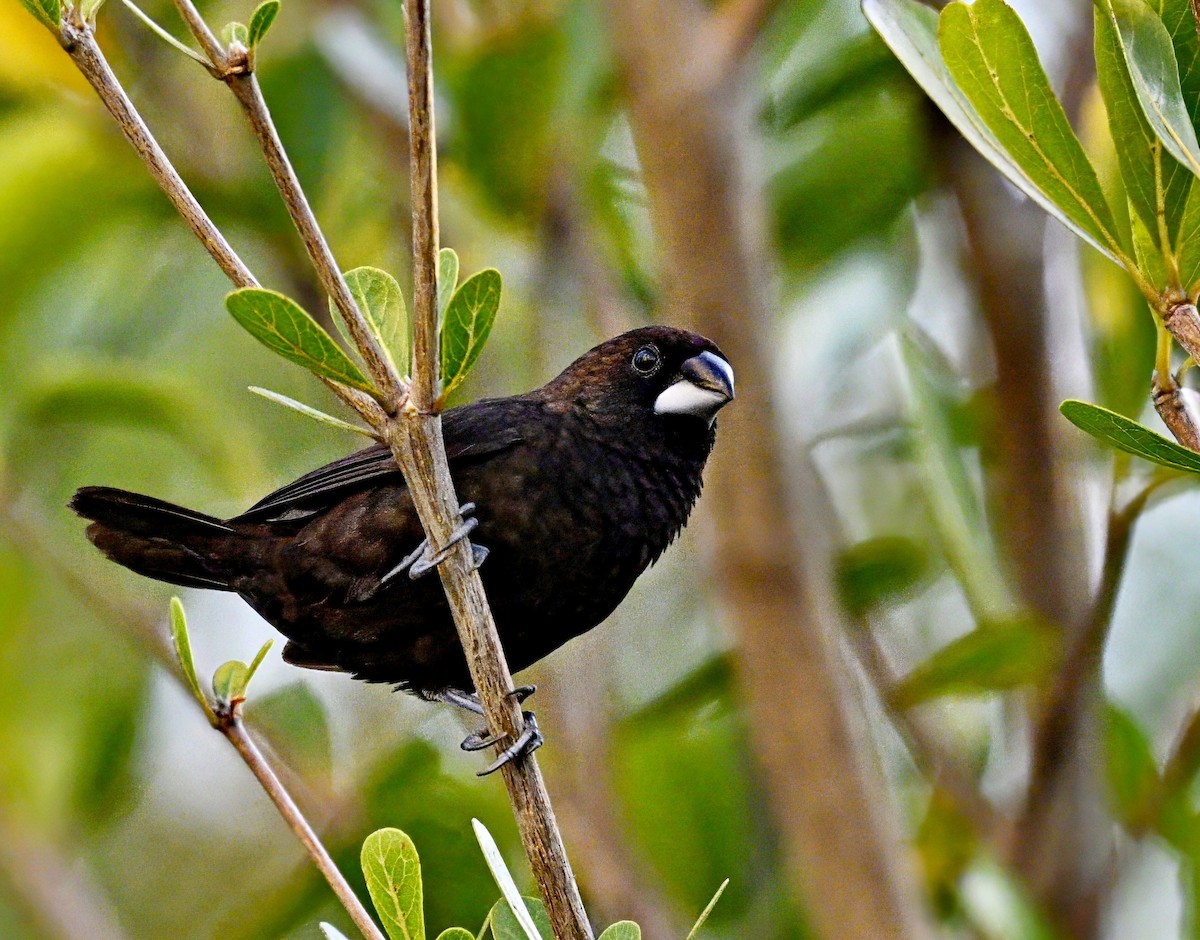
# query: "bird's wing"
[[474, 431]]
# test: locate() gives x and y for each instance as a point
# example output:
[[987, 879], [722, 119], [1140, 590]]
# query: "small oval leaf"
[[622, 930], [229, 682], [456, 933], [381, 301], [280, 324], [468, 321], [447, 279], [505, 925], [879, 571], [1133, 777], [261, 20], [393, 873], [993, 657], [1127, 435]]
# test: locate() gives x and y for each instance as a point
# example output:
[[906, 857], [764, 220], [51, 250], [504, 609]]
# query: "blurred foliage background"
[[891, 369]]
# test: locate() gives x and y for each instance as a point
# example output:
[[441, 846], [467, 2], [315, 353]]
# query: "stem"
[[379, 365], [416, 441], [423, 170], [231, 726], [80, 44], [1063, 711]]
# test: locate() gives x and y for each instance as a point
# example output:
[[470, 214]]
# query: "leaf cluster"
[[393, 875]]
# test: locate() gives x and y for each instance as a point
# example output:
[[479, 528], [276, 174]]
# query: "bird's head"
[[669, 373]]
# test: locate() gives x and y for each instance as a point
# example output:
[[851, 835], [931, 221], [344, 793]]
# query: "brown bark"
[[695, 141]]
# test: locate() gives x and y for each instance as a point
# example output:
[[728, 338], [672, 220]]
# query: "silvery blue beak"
[[704, 387]]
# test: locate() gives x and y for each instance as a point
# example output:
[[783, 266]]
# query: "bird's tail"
[[155, 538]]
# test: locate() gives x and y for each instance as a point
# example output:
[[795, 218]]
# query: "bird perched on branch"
[[577, 487]]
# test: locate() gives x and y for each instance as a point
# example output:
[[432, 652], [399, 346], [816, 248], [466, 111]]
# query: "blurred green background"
[[121, 811]]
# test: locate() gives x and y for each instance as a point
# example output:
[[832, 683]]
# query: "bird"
[[573, 490]]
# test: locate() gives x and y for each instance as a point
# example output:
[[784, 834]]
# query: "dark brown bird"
[[579, 486]]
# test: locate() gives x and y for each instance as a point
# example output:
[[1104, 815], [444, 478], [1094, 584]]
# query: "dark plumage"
[[579, 485]]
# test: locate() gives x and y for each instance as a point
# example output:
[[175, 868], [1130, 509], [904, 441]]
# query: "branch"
[[79, 42], [229, 723], [417, 444], [1063, 710]]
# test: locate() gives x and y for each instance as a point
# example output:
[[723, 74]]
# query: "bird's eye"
[[646, 361]]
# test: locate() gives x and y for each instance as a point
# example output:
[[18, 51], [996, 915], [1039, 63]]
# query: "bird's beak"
[[705, 386]]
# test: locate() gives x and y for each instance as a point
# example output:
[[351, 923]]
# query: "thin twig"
[[1061, 711], [80, 44], [230, 724], [417, 444], [379, 364], [422, 149]]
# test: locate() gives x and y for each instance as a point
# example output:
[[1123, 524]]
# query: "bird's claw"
[[527, 742], [420, 562]]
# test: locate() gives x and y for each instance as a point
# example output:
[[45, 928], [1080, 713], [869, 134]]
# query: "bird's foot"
[[420, 562], [527, 742]]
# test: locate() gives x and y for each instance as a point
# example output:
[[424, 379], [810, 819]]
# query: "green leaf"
[[878, 571], [162, 33], [1133, 778], [282, 326], [183, 652], [505, 925], [622, 930], [393, 873], [229, 682], [447, 279], [89, 8], [1147, 249], [257, 661], [332, 933], [1152, 182], [235, 32], [1189, 243], [1122, 433], [456, 933], [993, 657], [1150, 55], [707, 910], [909, 27], [988, 51], [261, 20], [466, 326], [954, 502], [379, 298], [520, 911], [47, 12], [310, 412]]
